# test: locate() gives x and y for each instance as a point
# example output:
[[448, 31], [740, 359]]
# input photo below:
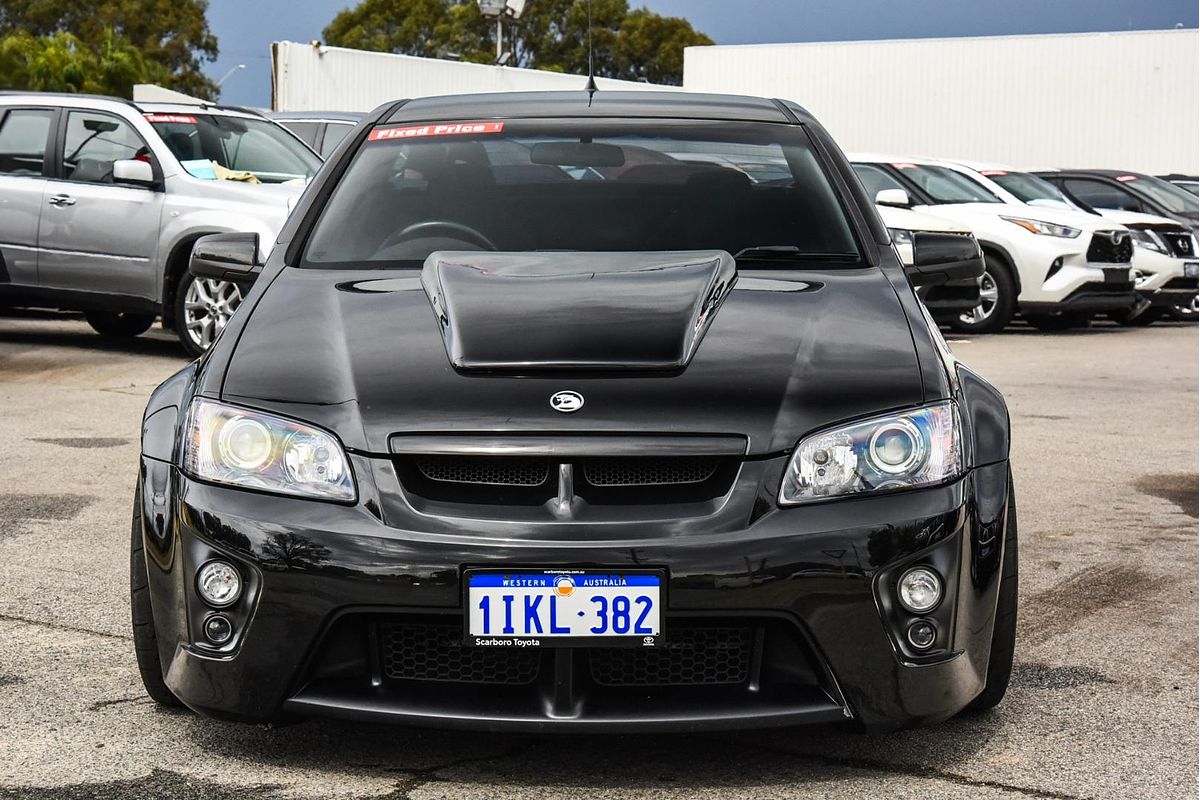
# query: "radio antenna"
[[591, 84]]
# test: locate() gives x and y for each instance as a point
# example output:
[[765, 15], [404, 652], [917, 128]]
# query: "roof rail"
[[86, 95]]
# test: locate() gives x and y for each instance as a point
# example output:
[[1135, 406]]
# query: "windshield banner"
[[443, 129]]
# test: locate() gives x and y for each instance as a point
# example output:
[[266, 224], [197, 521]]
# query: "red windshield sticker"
[[181, 119], [905, 166], [993, 172], [1124, 178], [443, 129]]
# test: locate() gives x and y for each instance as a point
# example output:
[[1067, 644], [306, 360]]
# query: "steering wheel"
[[423, 229]]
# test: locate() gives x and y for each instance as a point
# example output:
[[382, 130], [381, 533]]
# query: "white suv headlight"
[[1044, 228], [1149, 240], [896, 451], [253, 450]]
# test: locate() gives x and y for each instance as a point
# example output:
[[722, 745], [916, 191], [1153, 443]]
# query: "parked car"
[[321, 130], [104, 198], [1058, 268], [665, 450], [1126, 191], [1164, 255], [947, 300], [1188, 182]]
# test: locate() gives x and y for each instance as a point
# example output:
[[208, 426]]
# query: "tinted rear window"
[[583, 185]]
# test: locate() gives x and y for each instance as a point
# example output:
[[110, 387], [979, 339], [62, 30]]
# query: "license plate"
[[1191, 269], [1117, 276], [563, 608]]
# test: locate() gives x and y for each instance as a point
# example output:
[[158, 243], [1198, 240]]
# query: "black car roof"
[[686, 105], [346, 116], [1106, 173]]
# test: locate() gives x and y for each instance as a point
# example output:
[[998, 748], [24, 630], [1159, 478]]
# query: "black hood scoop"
[[523, 312]]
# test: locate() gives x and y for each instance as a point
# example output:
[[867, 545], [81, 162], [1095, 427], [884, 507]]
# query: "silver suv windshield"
[[757, 191], [221, 147]]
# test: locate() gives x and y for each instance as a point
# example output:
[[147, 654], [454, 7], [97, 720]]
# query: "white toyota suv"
[[1057, 267], [1164, 255], [101, 200]]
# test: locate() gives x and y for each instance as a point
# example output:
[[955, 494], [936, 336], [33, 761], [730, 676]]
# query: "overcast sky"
[[246, 28]]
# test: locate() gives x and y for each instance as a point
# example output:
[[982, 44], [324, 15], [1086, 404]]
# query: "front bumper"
[[814, 584]]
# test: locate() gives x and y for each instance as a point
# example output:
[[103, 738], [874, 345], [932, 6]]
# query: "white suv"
[[1164, 254], [1057, 267], [101, 200]]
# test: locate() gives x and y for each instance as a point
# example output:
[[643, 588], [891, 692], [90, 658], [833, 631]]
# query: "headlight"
[[1149, 240], [240, 447], [1044, 228], [900, 236], [897, 451]]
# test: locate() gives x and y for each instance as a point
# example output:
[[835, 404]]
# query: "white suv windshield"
[[944, 185], [583, 185], [215, 146], [1029, 188]]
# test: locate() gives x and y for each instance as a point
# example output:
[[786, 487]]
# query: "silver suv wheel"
[[988, 294], [207, 307]]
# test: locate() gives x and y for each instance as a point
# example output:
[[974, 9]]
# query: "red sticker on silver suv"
[[181, 119], [440, 129]]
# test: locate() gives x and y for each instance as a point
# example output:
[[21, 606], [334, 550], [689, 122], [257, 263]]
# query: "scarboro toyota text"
[[580, 411]]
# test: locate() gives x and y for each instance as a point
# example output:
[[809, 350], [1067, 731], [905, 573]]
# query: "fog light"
[[218, 629], [921, 634], [920, 590], [219, 584]]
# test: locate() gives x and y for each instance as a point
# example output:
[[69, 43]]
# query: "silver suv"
[[101, 200]]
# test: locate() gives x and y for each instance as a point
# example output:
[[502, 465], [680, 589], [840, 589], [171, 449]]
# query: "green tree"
[[60, 62], [551, 35], [164, 41]]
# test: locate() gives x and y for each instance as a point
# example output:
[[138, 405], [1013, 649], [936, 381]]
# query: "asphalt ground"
[[1103, 701]]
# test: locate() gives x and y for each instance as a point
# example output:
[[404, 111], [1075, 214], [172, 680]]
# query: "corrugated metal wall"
[[308, 78], [1117, 100]]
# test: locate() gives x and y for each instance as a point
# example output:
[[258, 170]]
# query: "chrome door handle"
[[60, 200]]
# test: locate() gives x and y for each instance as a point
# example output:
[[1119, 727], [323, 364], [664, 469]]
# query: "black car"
[[513, 432], [323, 131], [1126, 191]]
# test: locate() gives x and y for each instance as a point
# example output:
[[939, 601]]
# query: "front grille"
[[435, 652], [648, 471], [489, 470], [1180, 244], [691, 657], [1103, 250]]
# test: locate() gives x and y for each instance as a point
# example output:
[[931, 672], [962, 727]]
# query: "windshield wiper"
[[789, 252]]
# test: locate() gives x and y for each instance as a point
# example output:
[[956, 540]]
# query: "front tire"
[[1186, 313], [145, 636], [203, 307], [118, 324], [997, 300], [1004, 630]]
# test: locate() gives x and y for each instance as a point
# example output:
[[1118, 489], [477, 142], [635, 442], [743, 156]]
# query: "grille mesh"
[[491, 470], [1179, 243], [692, 656], [1102, 249], [435, 652], [648, 471]]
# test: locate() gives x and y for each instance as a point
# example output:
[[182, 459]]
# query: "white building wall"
[[318, 78], [1124, 100]]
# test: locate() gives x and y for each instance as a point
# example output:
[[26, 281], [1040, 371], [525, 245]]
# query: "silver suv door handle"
[[60, 200]]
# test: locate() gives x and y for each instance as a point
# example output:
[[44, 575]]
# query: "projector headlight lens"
[[254, 450], [219, 584], [897, 451], [920, 590]]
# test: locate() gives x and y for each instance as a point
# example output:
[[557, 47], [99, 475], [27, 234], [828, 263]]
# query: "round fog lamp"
[[219, 583], [922, 634], [218, 629], [920, 590], [896, 447]]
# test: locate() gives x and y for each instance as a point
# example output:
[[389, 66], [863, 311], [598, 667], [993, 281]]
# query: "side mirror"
[[226, 257], [892, 197], [132, 172], [944, 257]]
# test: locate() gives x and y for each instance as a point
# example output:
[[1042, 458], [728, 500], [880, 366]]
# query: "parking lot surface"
[[1103, 701]]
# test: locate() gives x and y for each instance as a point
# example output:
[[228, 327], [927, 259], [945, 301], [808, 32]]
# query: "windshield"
[[944, 185], [1165, 193], [1029, 188], [583, 185], [218, 147]]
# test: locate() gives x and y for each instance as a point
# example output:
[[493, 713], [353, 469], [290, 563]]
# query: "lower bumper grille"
[[435, 652], [693, 657]]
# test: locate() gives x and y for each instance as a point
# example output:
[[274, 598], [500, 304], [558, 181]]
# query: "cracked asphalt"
[[1103, 702]]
